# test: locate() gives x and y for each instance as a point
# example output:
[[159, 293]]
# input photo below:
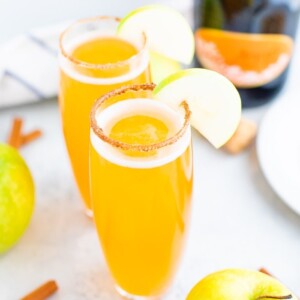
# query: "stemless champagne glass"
[[93, 61], [141, 173]]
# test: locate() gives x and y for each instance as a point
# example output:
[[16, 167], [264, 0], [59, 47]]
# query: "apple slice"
[[167, 31], [161, 66], [214, 101]]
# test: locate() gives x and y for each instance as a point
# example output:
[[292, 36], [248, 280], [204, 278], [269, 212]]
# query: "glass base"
[[127, 296]]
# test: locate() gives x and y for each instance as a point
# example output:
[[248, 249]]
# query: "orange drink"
[[93, 61], [141, 176]]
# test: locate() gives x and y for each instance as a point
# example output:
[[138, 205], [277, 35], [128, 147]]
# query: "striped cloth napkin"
[[29, 67]]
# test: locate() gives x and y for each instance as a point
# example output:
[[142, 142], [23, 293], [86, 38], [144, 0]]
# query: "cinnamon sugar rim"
[[105, 66], [135, 147]]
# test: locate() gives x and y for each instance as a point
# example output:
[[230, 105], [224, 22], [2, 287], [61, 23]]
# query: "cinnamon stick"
[[14, 138], [29, 137], [42, 292]]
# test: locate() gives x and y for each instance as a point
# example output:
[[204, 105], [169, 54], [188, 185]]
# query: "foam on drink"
[[69, 67], [140, 107]]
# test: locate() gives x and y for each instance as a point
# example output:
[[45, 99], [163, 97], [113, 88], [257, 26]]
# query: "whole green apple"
[[16, 196], [236, 284]]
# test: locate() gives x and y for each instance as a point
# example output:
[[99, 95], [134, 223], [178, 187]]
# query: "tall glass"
[[93, 61], [141, 170]]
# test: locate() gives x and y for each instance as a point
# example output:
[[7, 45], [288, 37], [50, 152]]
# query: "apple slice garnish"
[[214, 101], [167, 31]]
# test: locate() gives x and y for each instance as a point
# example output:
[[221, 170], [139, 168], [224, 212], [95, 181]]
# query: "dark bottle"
[[249, 41]]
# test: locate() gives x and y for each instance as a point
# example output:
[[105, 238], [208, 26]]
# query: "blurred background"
[[19, 16]]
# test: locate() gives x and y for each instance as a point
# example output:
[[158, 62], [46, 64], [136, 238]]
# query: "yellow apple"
[[237, 284]]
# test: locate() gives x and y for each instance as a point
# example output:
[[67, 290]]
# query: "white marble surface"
[[237, 220]]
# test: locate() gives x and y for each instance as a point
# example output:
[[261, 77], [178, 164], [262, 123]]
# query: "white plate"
[[278, 149]]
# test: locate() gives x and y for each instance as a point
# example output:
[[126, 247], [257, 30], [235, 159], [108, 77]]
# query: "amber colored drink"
[[141, 199], [93, 64]]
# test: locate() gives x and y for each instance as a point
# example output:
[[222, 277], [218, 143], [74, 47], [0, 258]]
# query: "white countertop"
[[237, 220]]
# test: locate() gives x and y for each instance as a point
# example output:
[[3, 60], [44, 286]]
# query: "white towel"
[[29, 67]]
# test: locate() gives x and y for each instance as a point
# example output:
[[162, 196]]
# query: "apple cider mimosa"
[[93, 61], [141, 188]]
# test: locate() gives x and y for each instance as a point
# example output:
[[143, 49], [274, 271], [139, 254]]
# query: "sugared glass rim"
[[106, 66], [136, 147]]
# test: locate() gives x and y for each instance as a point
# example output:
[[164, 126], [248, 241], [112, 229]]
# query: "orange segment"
[[248, 60]]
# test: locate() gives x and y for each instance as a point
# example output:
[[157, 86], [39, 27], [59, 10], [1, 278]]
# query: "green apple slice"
[[161, 66], [214, 101], [167, 31]]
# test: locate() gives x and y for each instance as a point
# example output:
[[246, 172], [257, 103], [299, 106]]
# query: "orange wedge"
[[248, 60]]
